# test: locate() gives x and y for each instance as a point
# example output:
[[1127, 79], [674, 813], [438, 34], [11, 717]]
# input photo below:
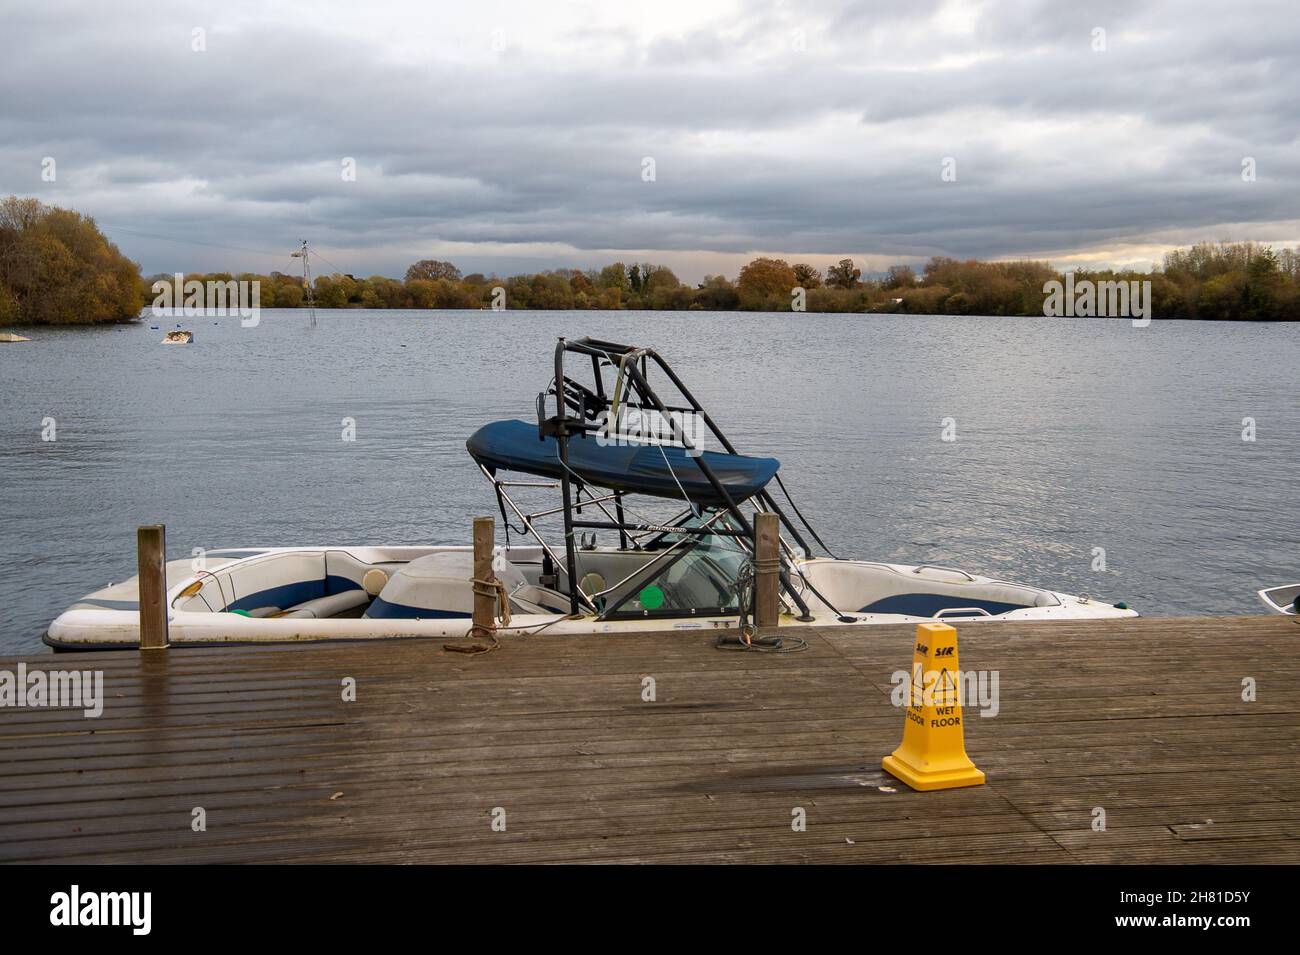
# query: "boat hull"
[[1285, 599], [218, 603]]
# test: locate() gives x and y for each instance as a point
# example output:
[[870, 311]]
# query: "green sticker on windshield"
[[652, 598]]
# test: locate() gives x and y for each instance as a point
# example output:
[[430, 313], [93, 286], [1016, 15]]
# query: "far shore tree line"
[[1232, 281], [56, 267]]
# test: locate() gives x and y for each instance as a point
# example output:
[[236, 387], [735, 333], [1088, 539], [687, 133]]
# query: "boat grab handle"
[[951, 570], [962, 610]]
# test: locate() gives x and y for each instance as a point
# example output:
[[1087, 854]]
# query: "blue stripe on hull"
[[284, 596], [927, 605], [381, 608], [334, 584]]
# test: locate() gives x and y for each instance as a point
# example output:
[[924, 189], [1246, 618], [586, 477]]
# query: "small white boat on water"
[[1285, 599], [692, 570]]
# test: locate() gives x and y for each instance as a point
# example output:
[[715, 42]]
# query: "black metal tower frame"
[[587, 406]]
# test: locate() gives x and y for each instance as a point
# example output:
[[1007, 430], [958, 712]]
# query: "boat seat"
[[439, 586], [328, 606], [605, 564], [542, 598], [343, 572], [273, 584]]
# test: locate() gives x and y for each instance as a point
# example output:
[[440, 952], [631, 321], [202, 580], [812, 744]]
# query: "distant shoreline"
[[416, 312], [1215, 282], [96, 284]]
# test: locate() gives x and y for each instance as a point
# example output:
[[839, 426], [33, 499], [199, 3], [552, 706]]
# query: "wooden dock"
[[1141, 718]]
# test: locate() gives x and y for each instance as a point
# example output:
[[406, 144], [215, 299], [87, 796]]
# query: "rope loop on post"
[[746, 637], [495, 589]]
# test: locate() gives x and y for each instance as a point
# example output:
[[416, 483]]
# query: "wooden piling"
[[484, 597], [151, 560], [767, 568]]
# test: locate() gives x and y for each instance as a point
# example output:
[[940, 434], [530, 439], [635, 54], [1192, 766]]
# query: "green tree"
[[289, 294], [1223, 298], [807, 276], [843, 275], [899, 277], [716, 294], [9, 310], [1265, 286], [329, 293], [615, 276], [658, 279]]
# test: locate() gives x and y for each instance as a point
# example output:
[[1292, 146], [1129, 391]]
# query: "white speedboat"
[[615, 451], [1284, 599]]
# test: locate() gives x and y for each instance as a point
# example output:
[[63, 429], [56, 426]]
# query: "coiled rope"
[[747, 638], [497, 589], [494, 590]]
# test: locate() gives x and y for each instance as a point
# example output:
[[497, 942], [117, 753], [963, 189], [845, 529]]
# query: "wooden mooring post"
[[151, 560], [767, 569], [484, 597]]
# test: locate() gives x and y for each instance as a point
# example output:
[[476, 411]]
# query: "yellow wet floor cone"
[[933, 754]]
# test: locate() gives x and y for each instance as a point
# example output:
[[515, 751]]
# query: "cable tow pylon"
[[304, 253]]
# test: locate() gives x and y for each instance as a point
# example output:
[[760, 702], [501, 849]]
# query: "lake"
[[1072, 435]]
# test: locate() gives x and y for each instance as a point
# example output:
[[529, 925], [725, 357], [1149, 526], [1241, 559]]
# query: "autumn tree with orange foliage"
[[766, 284], [57, 268]]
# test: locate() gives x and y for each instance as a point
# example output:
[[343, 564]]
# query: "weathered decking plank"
[[1143, 718]]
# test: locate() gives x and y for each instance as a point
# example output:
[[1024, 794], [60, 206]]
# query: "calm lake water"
[[1072, 434]]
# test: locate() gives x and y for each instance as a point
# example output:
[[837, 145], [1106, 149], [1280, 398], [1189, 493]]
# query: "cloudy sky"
[[513, 135]]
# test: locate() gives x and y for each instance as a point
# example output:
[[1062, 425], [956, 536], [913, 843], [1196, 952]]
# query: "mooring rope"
[[494, 590], [492, 633], [747, 638]]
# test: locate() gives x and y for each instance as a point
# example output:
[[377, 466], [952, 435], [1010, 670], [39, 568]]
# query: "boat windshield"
[[698, 577]]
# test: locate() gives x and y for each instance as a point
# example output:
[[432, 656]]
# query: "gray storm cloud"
[[508, 138]]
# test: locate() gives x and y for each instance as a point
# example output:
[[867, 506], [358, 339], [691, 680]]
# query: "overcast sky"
[[510, 136]]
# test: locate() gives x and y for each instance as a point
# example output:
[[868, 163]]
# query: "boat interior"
[[697, 578]]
